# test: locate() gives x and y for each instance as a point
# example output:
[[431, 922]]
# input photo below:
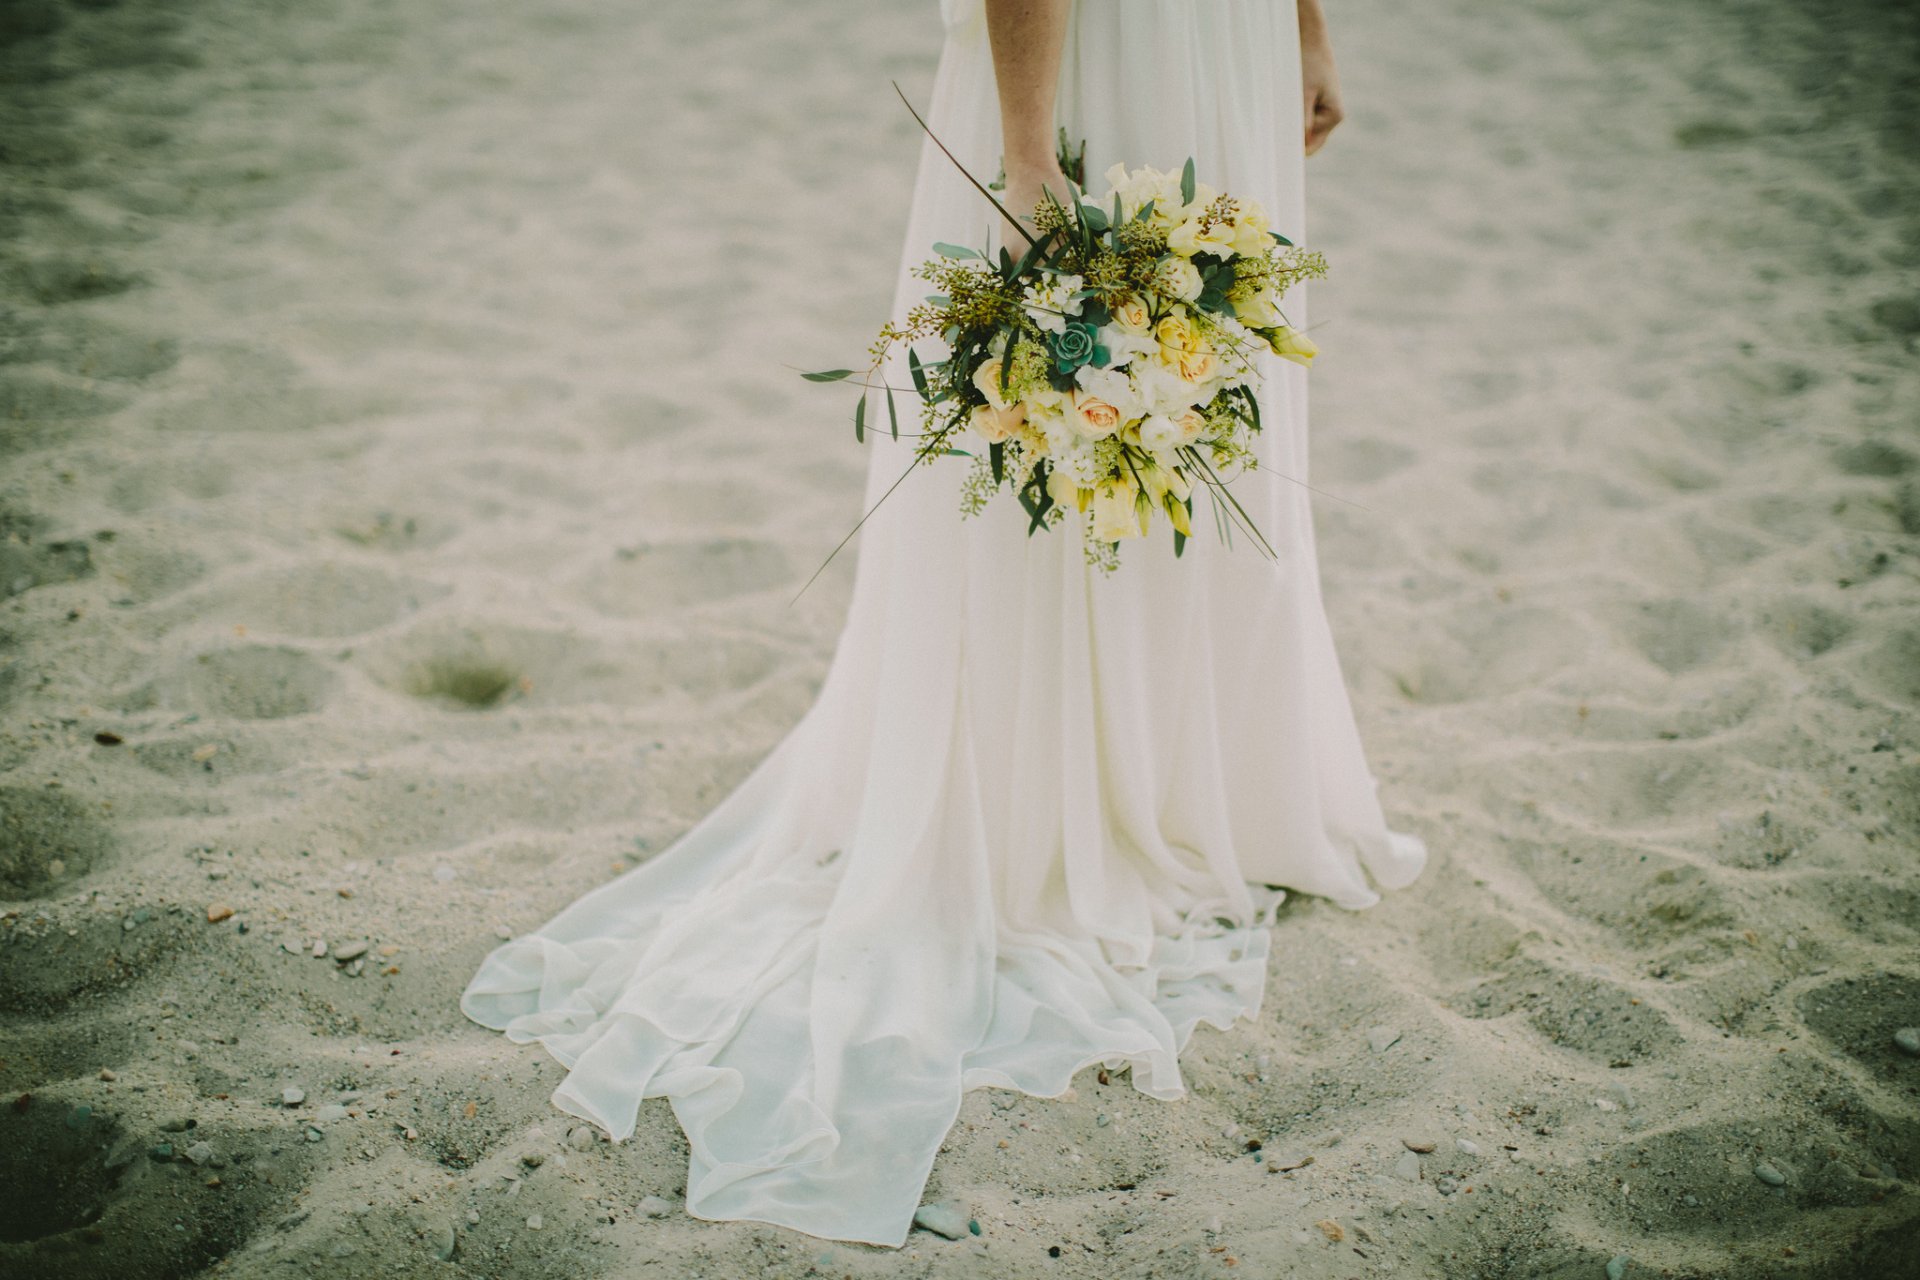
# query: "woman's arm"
[[1318, 80], [1027, 37]]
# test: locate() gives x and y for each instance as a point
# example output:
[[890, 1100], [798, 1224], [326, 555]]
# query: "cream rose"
[[986, 379], [1130, 315], [1093, 417], [995, 425], [1196, 366]]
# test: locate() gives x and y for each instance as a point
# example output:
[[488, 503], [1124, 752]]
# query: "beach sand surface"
[[404, 486]]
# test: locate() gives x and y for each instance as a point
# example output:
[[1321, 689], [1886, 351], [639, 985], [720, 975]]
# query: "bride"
[[1039, 817]]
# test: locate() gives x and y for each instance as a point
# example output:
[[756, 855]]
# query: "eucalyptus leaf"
[[946, 250], [1187, 183], [828, 375], [893, 415], [860, 419]]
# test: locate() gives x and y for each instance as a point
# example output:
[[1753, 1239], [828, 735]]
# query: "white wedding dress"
[[1038, 818]]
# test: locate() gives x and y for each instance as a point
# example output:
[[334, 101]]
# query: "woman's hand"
[[1024, 185], [1319, 82], [1027, 37]]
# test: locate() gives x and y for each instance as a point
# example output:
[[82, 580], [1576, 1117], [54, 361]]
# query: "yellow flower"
[[1116, 513], [1290, 344], [1184, 348], [1062, 489], [1250, 230], [1177, 332], [1258, 310]]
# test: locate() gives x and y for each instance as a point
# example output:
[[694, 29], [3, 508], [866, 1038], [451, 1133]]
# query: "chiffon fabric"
[[1037, 818]]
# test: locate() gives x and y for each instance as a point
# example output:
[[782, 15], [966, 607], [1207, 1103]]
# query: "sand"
[[395, 548]]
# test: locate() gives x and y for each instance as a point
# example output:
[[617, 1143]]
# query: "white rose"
[[1123, 346], [1158, 433], [1161, 390]]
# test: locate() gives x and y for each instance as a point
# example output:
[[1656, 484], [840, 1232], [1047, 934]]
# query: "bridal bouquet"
[[1107, 371]]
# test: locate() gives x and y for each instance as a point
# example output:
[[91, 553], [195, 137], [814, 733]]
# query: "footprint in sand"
[[89, 1173], [1587, 1016], [1677, 635], [248, 682], [1859, 1015], [317, 599], [653, 579], [47, 841]]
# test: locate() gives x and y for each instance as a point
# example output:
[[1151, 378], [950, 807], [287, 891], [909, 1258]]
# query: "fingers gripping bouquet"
[[1108, 372]]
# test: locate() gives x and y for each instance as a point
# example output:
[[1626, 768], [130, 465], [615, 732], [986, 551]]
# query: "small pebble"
[[1446, 1185], [1691, 1201], [535, 1222], [175, 1124], [1908, 1040], [1407, 1167], [1103, 1120], [533, 1159], [1466, 1146], [580, 1138], [443, 1241], [314, 1135], [200, 1152], [1769, 1175], [219, 911], [107, 1075], [1617, 1267], [943, 1217], [655, 1206], [329, 1113], [351, 950], [319, 948], [1621, 1094], [293, 1097], [1417, 1144], [1382, 1039]]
